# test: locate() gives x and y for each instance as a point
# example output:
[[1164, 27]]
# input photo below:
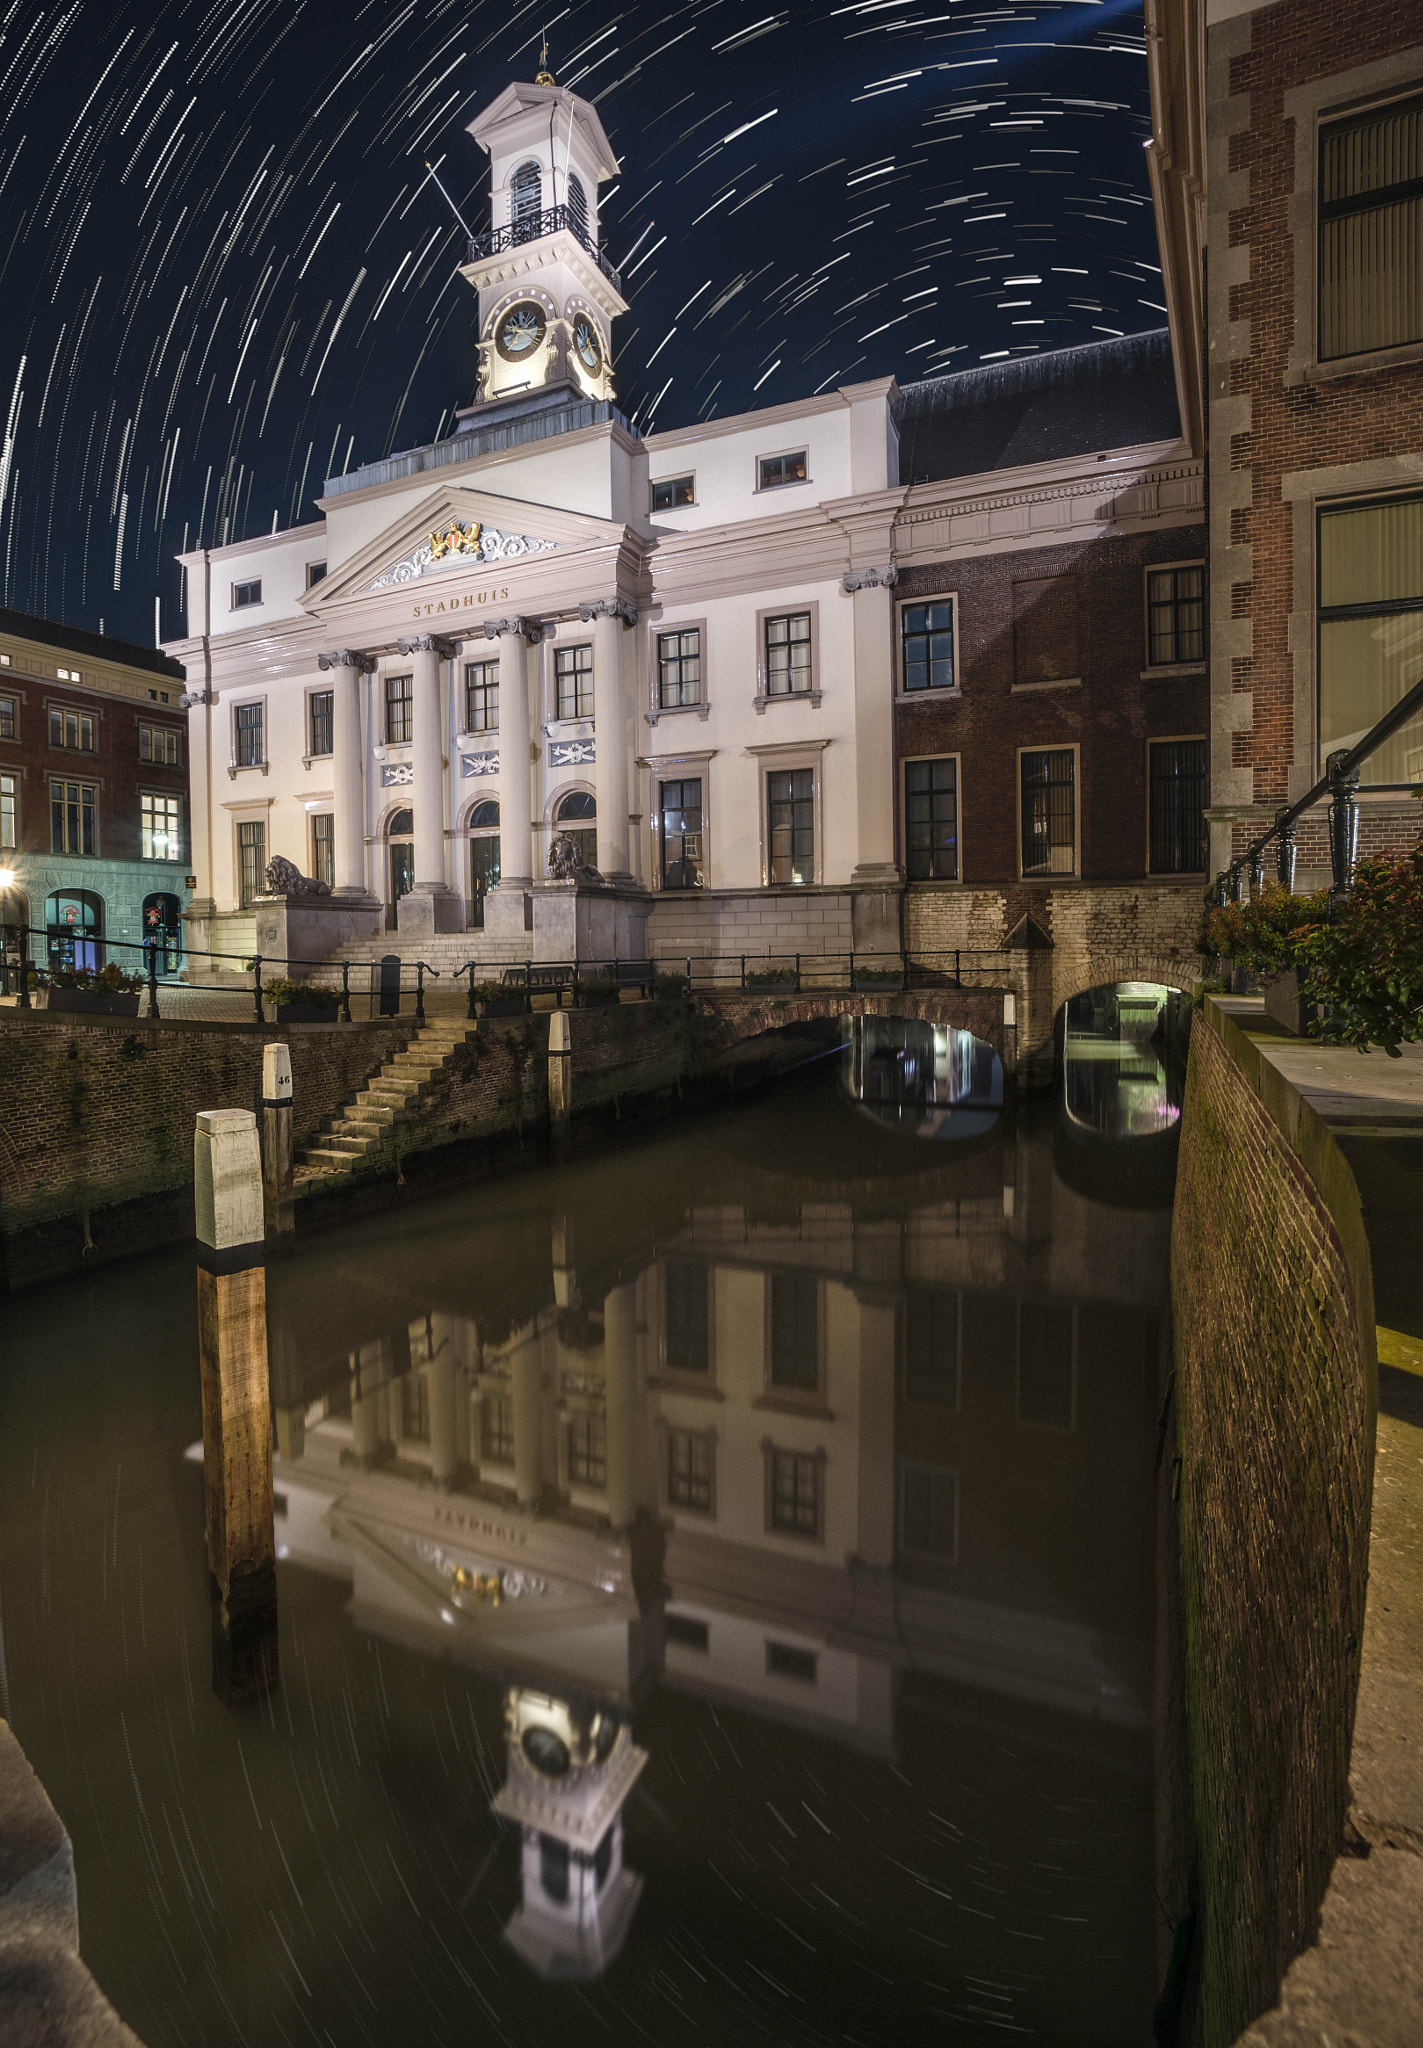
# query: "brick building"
[[1289, 142], [93, 794]]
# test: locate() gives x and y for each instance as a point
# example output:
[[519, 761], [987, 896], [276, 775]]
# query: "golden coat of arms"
[[455, 540]]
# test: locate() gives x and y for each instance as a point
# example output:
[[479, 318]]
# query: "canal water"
[[715, 1589]]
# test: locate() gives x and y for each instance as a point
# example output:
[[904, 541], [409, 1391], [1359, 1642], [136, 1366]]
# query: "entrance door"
[[483, 857], [74, 922], [400, 834], [163, 931]]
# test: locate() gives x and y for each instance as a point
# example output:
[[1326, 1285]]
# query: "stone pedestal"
[[875, 912], [295, 933], [508, 915], [589, 921], [428, 910]]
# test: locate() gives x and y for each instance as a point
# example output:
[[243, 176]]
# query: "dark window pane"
[[322, 722], [795, 1349], [681, 811], [496, 1429], [679, 669], [689, 1470], [1045, 1396], [573, 671], [688, 1632], [791, 802], [1176, 615], [688, 1347], [1177, 804], [587, 1450], [786, 1660], [795, 1494], [931, 821], [399, 710], [928, 1510], [931, 1347], [788, 655], [927, 644], [1049, 812], [323, 847]]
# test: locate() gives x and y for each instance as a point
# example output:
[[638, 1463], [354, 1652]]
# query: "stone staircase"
[[446, 952], [391, 1094]]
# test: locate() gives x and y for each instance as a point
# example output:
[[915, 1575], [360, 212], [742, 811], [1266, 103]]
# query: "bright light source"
[[7, 876]]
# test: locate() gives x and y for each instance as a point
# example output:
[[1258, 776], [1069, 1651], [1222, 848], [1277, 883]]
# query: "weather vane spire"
[[544, 75]]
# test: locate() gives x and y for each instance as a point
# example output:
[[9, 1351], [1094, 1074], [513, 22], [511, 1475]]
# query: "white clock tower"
[[547, 294]]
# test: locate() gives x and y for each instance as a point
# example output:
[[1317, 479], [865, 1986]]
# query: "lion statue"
[[285, 878], [566, 863]]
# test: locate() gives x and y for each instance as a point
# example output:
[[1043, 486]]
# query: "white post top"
[[227, 1179], [558, 1031], [276, 1075]]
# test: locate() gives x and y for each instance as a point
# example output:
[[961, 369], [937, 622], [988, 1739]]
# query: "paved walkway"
[[1362, 1983]]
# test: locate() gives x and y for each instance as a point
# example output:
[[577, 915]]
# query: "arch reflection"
[[926, 1080]]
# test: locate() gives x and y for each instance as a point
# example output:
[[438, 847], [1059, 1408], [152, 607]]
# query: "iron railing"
[[1339, 783], [494, 241]]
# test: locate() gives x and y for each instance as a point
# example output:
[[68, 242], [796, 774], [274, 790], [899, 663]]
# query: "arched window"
[[526, 199], [578, 208], [483, 856], [163, 931], [577, 816], [74, 925]]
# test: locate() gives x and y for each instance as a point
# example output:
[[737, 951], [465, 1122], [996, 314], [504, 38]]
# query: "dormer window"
[[526, 198], [578, 208]]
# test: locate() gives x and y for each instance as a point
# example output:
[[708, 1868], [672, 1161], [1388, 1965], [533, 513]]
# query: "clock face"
[[520, 331], [588, 344]]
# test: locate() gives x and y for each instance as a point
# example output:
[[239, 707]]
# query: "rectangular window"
[[1049, 812], [684, 1289], [1045, 1364], [669, 492], [689, 1470], [323, 847], [931, 821], [1370, 631], [776, 470], [926, 639], [929, 1510], [679, 669], [71, 811], [69, 675], [245, 594], [1177, 807], [1175, 615], [795, 1493], [73, 729], [9, 811], [680, 811], [481, 696], [795, 1331], [321, 723], [399, 710], [9, 718], [161, 745], [251, 861], [161, 826], [587, 1450], [1371, 231], [415, 1408], [573, 673], [315, 571], [687, 1632], [790, 799], [247, 733], [788, 655], [1045, 630], [496, 1429], [785, 1660], [931, 1347]]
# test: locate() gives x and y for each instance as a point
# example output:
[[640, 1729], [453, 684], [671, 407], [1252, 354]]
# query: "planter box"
[[890, 986], [592, 993], [1283, 1005], [785, 986], [85, 1002], [503, 1006], [308, 1013]]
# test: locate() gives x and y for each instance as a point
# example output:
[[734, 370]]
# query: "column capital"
[[526, 628], [609, 608], [869, 579], [429, 643], [347, 657]]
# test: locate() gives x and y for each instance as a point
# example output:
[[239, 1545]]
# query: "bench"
[[556, 977]]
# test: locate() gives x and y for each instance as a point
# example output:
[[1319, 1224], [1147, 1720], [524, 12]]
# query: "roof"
[[1042, 408], [95, 646]]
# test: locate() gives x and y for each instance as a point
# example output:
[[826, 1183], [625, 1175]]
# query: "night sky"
[[225, 275]]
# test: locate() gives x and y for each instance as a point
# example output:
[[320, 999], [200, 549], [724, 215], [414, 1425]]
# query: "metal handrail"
[[1339, 782], [494, 241]]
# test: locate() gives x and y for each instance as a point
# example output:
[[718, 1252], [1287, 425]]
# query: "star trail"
[[228, 270]]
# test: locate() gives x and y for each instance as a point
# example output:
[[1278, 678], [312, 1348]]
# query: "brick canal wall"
[[1276, 1404], [96, 1119]]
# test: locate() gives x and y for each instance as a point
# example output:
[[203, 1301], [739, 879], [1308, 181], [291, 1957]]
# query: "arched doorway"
[[163, 931], [577, 815], [14, 919], [483, 857], [74, 927], [399, 862]]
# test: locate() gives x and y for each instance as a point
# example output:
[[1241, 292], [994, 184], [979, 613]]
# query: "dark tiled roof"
[[1073, 401], [92, 646]]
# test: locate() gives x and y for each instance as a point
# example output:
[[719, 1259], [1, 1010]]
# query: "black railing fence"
[[494, 241], [1339, 782]]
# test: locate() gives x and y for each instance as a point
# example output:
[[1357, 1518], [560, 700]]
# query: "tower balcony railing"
[[494, 241]]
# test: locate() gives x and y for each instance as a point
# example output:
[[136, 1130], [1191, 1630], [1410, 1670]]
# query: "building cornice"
[[604, 430], [260, 543]]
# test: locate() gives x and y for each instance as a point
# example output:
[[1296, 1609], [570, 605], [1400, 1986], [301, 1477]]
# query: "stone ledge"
[[1361, 1984], [49, 2000]]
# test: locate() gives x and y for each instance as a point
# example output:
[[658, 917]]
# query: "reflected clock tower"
[[548, 295]]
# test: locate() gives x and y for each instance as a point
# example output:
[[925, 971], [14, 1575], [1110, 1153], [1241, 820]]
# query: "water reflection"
[[1119, 1078], [790, 1481], [926, 1080]]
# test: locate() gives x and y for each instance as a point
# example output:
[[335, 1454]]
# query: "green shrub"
[[757, 977], [1364, 967], [102, 981], [1263, 936], [494, 992], [874, 977], [668, 985], [283, 991]]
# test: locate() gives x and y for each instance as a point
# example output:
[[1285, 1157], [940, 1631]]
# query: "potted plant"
[[100, 992], [300, 1002], [495, 999], [1263, 940], [668, 988], [1362, 968], [596, 989], [772, 981], [885, 979]]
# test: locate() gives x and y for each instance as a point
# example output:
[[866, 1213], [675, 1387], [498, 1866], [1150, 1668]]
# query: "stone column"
[[526, 1387], [620, 1403], [504, 910], [432, 906], [277, 1172], [611, 617], [442, 1377], [877, 876], [345, 669]]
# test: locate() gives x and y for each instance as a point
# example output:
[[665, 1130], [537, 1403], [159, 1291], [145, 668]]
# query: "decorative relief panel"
[[572, 753], [455, 547], [478, 764], [397, 774]]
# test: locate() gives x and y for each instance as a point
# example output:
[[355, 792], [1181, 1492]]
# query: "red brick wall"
[[1111, 713], [113, 766]]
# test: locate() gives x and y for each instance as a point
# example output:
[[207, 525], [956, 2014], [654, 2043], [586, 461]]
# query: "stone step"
[[327, 1161], [336, 1141]]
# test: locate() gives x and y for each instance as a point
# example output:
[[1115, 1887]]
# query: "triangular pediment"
[[455, 530]]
